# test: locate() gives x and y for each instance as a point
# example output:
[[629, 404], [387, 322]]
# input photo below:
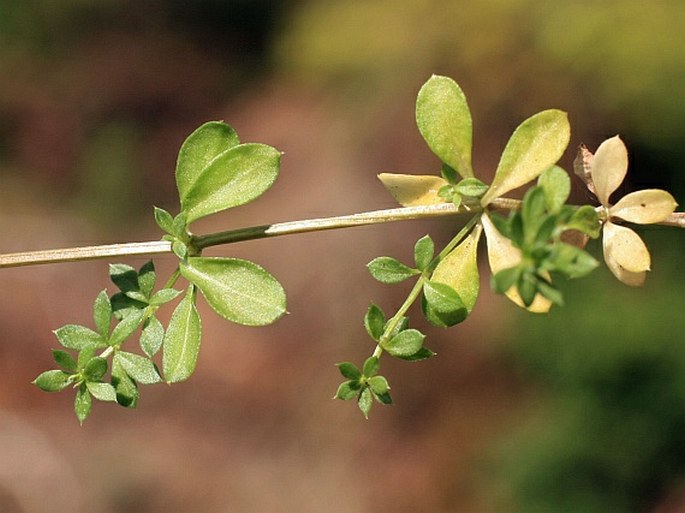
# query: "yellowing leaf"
[[413, 190], [459, 269], [536, 145], [503, 255], [644, 207], [609, 167], [624, 250]]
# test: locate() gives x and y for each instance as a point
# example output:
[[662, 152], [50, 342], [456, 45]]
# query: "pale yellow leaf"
[[624, 250], [644, 207], [609, 167], [413, 190]]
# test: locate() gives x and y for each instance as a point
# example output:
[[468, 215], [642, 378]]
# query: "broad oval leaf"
[[414, 190], [73, 336], [138, 367], [234, 178], [405, 343], [199, 150], [444, 120], [52, 381], [236, 289], [536, 145], [390, 270], [624, 249], [459, 269], [102, 391], [608, 168], [182, 340], [644, 207]]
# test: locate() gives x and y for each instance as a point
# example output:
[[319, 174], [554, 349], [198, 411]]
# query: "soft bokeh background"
[[579, 411]]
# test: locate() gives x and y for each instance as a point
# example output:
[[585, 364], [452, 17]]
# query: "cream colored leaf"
[[626, 277], [502, 254], [459, 269], [624, 250], [413, 190], [644, 207], [609, 168]]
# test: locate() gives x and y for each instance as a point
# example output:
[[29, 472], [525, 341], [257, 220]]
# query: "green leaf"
[[374, 322], [123, 305], [585, 219], [390, 270], [180, 249], [571, 261], [126, 327], [238, 290], [505, 279], [82, 404], [423, 252], [152, 336], [550, 292], [405, 343], [64, 360], [349, 370], [138, 367], [400, 326], [126, 389], [442, 319], [422, 354], [442, 298], [444, 120], [557, 186], [102, 391], [233, 178], [84, 356], [536, 145], [378, 384], [179, 226], [449, 174], [164, 296], [73, 336], [147, 278], [182, 340], [164, 220], [533, 213], [471, 187], [371, 366], [365, 401], [384, 398], [199, 150], [102, 314], [52, 381], [125, 277], [95, 369], [347, 390], [527, 287]]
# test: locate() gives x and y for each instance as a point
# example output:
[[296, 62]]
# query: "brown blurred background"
[[579, 411]]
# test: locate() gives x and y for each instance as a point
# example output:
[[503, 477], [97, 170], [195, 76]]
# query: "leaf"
[[73, 336], [126, 327], [52, 381], [442, 298], [199, 150], [125, 387], [532, 214], [422, 354], [102, 314], [536, 145], [586, 220], [347, 390], [557, 186], [164, 296], [138, 367], [506, 278], [349, 370], [82, 404], [64, 360], [444, 121], [182, 340], [442, 319], [238, 290], [405, 343], [378, 385], [152, 336], [234, 178], [644, 207], [102, 391], [389, 270], [414, 190], [371, 366], [609, 166], [449, 174], [164, 220], [374, 322], [572, 261], [125, 277], [95, 369], [365, 401], [147, 278], [423, 252], [471, 187], [625, 254]]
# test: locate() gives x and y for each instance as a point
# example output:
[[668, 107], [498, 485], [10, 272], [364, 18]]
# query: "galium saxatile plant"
[[531, 244]]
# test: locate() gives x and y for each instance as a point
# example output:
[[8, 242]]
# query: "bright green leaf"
[[73, 336], [390, 270], [152, 336], [536, 145], [64, 360], [442, 319], [238, 290], [52, 381], [95, 369], [164, 220], [102, 314], [138, 367], [126, 389], [442, 298], [471, 187], [374, 322], [423, 252], [102, 391], [164, 296], [586, 220], [147, 278], [182, 340], [371, 366], [82, 404], [444, 120], [557, 186], [365, 401], [126, 327], [405, 343], [347, 390], [422, 354], [378, 385]]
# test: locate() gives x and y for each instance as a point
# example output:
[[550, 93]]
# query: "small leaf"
[[102, 314], [235, 177], [138, 367], [95, 369], [442, 298], [550, 292], [125, 387], [182, 340], [609, 167], [405, 343], [449, 174], [349, 370], [180, 249], [389, 270], [414, 190], [147, 278], [73, 336], [586, 220], [625, 254], [102, 391], [347, 390], [365, 401], [179, 226], [84, 356], [423, 252], [125, 277], [379, 385], [536, 145], [374, 322], [505, 279], [152, 336], [557, 186], [384, 398], [52, 381], [371, 366], [572, 261], [199, 150], [164, 296], [444, 120], [164, 220], [64, 360], [471, 187], [644, 207], [422, 354], [442, 319], [532, 214], [82, 404], [126, 327]]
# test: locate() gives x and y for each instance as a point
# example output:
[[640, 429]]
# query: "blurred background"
[[579, 411]]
